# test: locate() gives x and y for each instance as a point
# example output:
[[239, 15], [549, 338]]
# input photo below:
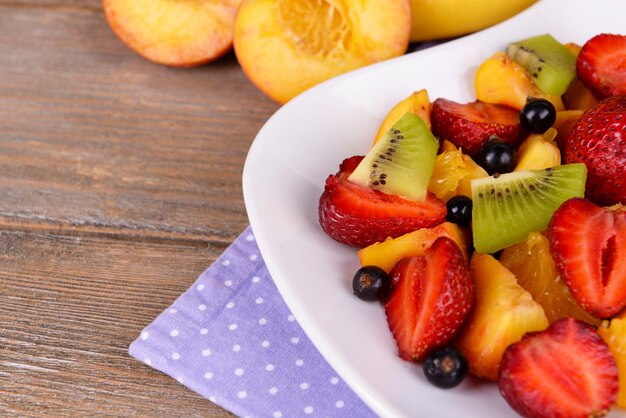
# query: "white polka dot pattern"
[[232, 339]]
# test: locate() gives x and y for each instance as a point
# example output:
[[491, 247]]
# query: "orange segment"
[[287, 46], [417, 103], [172, 32], [501, 80], [531, 263], [387, 253], [565, 120], [453, 173], [614, 335]]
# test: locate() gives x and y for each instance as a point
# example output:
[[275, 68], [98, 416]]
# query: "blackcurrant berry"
[[371, 283], [459, 210], [537, 116], [445, 367], [497, 157]]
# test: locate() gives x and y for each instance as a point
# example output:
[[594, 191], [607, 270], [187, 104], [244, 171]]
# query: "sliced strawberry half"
[[566, 371], [588, 244], [358, 216], [430, 298], [470, 125], [601, 65]]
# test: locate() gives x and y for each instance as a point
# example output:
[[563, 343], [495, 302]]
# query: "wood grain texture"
[[71, 307], [120, 182], [95, 136]]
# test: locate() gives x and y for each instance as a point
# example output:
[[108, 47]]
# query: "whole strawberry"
[[358, 216], [598, 139]]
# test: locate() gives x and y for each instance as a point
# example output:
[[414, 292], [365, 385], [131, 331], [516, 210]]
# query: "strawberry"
[[566, 371], [598, 140], [470, 125], [588, 244], [601, 65], [430, 298], [358, 216]]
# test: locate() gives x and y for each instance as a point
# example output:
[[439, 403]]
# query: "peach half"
[[287, 46], [179, 33]]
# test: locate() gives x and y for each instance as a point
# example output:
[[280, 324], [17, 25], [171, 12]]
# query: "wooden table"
[[120, 182]]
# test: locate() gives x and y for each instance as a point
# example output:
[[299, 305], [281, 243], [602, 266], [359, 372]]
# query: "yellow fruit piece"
[[565, 120], [453, 173], [531, 263], [447, 146], [578, 97], [501, 80], [175, 33], [387, 253], [503, 313], [538, 151], [614, 335], [287, 46], [573, 48], [438, 19], [417, 103]]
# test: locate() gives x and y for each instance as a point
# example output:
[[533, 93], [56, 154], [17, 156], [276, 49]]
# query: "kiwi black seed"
[[506, 209], [550, 64], [401, 162]]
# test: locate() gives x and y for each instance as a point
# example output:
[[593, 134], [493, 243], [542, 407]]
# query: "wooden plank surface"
[[120, 182]]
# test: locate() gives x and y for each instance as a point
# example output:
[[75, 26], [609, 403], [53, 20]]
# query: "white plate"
[[306, 140]]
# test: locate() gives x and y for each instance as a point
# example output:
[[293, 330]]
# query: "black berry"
[[371, 283], [445, 367], [497, 157], [459, 210], [537, 116]]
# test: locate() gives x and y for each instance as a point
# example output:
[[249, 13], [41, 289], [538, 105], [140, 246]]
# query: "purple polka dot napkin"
[[232, 339]]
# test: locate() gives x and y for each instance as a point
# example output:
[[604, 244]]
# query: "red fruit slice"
[[470, 125], [566, 371], [359, 216], [598, 139], [430, 298], [601, 65], [588, 244]]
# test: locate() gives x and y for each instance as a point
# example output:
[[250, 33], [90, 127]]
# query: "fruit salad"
[[493, 232]]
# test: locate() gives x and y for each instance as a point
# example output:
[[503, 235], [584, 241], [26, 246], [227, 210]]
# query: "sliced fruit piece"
[[564, 371], [502, 314], [574, 48], [502, 81], [614, 335], [531, 263], [287, 46], [578, 97], [387, 253], [598, 139], [470, 125], [550, 64], [563, 124], [402, 162], [453, 173], [358, 216], [509, 207], [601, 65], [538, 151], [588, 244], [176, 33], [417, 103], [430, 298]]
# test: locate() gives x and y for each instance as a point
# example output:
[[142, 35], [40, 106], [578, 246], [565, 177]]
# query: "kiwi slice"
[[509, 207], [401, 162], [550, 64]]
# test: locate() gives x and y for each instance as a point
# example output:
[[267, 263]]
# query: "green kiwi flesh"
[[507, 208], [401, 162], [550, 64]]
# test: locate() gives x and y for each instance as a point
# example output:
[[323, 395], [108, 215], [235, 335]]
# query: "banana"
[[439, 19]]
